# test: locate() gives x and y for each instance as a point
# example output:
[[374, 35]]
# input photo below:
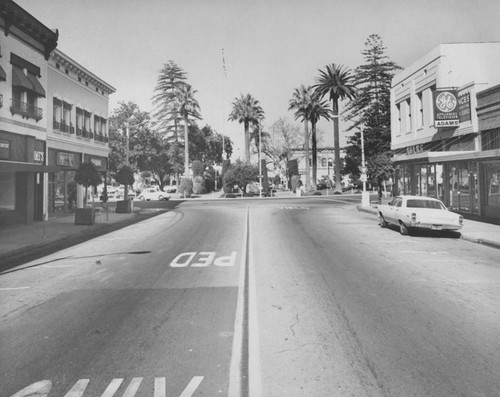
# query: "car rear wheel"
[[381, 221], [160, 197], [403, 229]]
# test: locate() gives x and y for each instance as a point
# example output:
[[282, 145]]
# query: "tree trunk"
[[314, 156], [306, 153], [247, 142], [336, 146], [186, 149]]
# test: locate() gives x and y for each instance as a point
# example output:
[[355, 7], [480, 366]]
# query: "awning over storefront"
[[438, 157], [399, 158], [3, 75], [435, 157], [13, 166], [37, 87], [19, 79]]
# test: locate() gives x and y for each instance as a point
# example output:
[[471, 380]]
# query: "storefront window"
[[492, 207], [439, 181], [7, 191], [431, 181], [423, 180]]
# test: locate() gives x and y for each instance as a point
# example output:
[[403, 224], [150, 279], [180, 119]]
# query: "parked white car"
[[418, 212], [153, 194]]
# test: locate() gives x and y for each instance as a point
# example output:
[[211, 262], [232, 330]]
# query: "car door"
[[391, 208]]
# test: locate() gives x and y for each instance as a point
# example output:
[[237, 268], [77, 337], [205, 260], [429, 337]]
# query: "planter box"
[[124, 206], [84, 216]]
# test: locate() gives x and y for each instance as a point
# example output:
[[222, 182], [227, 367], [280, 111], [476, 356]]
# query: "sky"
[[270, 47]]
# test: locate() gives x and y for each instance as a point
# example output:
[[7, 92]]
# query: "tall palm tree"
[[301, 102], [338, 82], [318, 109], [188, 108], [246, 110]]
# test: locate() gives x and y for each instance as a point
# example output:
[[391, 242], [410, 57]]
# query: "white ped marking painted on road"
[[295, 207], [203, 259], [42, 388]]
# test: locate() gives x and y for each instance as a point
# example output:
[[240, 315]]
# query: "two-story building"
[[24, 53], [78, 101], [436, 136], [53, 117]]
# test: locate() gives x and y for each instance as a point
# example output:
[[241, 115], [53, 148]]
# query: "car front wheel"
[[403, 229], [381, 221]]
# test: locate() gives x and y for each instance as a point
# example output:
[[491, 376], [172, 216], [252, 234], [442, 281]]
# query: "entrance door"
[[474, 191]]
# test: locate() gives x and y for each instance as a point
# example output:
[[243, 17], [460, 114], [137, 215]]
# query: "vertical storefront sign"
[[464, 107], [446, 109]]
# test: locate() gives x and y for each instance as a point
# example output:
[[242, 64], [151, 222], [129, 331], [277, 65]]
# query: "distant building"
[[53, 116], [437, 138]]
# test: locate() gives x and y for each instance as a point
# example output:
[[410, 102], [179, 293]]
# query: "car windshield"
[[419, 203]]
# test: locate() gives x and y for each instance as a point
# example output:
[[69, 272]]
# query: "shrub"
[[295, 182], [186, 188], [87, 175], [199, 185]]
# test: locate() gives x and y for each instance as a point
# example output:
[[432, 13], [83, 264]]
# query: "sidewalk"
[[21, 243]]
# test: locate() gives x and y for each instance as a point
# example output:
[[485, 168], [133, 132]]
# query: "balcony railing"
[[79, 131], [57, 125], [1, 100], [26, 110], [64, 127], [71, 129]]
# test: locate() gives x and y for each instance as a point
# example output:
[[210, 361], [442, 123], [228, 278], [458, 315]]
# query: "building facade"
[[78, 131], [25, 49], [53, 117], [435, 129]]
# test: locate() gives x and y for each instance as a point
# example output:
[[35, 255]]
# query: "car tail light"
[[413, 217], [461, 220]]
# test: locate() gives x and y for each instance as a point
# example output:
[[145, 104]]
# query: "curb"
[[19, 256]]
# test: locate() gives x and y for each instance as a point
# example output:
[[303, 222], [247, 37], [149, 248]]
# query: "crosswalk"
[[43, 388]]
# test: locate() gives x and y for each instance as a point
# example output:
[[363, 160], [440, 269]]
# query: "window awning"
[[3, 75], [19, 79], [37, 87]]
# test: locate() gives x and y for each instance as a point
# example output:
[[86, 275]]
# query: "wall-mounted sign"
[[39, 157], [96, 162], [66, 159], [415, 149], [4, 149], [464, 107], [446, 109]]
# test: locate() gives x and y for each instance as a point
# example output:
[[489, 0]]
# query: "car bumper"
[[435, 226]]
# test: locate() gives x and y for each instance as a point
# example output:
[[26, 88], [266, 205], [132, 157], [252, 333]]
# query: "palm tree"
[[338, 82], [301, 102], [246, 110], [188, 108], [318, 109]]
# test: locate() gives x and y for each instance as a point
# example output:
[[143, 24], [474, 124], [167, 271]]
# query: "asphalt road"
[[292, 297]]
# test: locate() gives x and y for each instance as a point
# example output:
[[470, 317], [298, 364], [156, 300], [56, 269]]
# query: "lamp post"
[[260, 162], [365, 196], [127, 129]]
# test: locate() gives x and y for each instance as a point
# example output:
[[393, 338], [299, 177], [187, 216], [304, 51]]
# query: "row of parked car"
[[147, 194]]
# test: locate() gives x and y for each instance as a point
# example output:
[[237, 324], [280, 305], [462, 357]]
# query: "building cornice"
[[17, 21], [64, 60]]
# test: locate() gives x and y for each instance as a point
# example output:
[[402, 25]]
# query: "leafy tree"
[[241, 174], [246, 111], [380, 169], [87, 175], [206, 145], [337, 82], [125, 176], [279, 147], [171, 80], [369, 111], [301, 102], [188, 109]]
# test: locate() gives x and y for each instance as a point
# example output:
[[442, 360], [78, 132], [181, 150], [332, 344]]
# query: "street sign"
[[363, 169], [363, 178]]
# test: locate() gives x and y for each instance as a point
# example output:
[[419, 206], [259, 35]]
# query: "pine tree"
[[370, 110]]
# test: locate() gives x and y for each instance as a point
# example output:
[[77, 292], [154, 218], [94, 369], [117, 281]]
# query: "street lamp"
[[260, 161], [365, 196]]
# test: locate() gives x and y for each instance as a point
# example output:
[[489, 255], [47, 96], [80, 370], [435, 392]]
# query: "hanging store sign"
[[464, 107], [446, 109]]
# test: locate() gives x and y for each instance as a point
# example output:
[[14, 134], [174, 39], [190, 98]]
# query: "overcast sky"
[[271, 47]]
